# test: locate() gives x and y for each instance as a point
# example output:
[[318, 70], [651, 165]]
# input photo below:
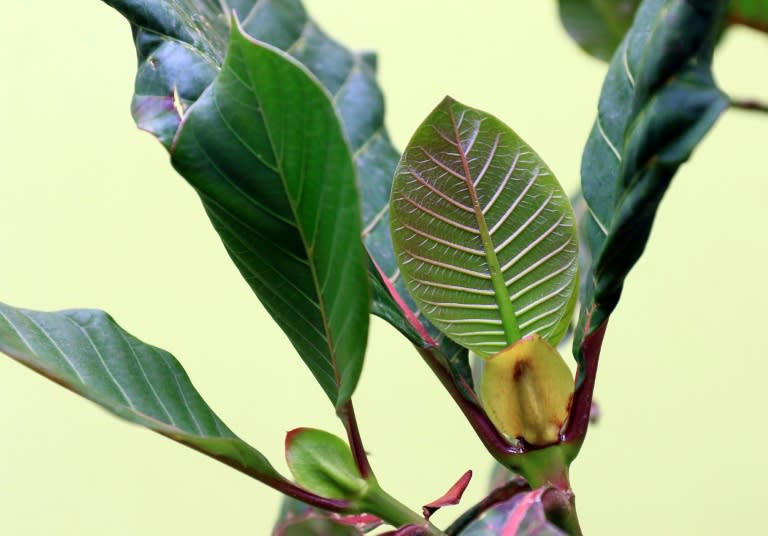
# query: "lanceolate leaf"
[[485, 236], [88, 353], [181, 45], [658, 101], [264, 149]]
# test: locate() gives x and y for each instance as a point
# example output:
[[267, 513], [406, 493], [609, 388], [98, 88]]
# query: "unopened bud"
[[527, 390]]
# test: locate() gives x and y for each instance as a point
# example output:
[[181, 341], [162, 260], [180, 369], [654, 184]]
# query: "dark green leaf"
[[323, 464], [181, 46], [658, 101], [485, 235], [88, 353], [264, 149], [597, 26]]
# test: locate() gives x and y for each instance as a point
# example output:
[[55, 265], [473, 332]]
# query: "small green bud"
[[527, 390]]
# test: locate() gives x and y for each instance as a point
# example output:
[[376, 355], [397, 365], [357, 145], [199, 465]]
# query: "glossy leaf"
[[597, 26], [87, 352], [658, 101], [181, 46], [484, 234], [323, 464], [278, 183]]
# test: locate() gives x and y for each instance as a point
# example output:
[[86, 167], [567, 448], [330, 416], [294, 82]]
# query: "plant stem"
[[749, 104], [497, 496], [347, 415], [581, 409], [560, 509], [380, 503]]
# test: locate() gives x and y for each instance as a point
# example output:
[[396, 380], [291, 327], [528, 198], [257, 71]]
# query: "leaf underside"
[[658, 101], [484, 234], [88, 353]]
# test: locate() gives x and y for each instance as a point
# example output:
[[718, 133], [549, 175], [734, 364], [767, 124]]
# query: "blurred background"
[[92, 215]]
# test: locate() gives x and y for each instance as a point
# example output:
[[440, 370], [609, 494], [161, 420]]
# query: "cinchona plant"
[[465, 243]]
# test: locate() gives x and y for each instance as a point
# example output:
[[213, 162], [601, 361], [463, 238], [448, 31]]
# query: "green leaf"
[[265, 151], [484, 234], [597, 26], [181, 46], [323, 464], [658, 101], [89, 354]]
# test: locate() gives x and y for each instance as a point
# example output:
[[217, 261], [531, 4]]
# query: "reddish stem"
[[347, 415], [581, 409]]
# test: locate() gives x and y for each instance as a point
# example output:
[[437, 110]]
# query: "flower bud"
[[527, 390]]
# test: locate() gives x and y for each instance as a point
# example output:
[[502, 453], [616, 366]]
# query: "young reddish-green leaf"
[[450, 497], [88, 353], [485, 236], [323, 464], [522, 515], [265, 151]]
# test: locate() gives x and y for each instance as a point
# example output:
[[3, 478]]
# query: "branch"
[[347, 415], [750, 105], [581, 410]]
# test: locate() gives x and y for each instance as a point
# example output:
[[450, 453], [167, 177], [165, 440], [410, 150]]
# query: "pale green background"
[[92, 215]]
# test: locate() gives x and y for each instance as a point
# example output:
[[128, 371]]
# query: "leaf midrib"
[[501, 293]]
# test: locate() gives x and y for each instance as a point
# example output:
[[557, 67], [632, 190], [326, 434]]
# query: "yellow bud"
[[527, 390]]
